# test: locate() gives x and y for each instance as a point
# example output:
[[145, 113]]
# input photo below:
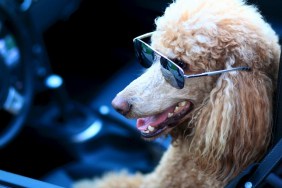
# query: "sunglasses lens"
[[144, 53], [172, 73]]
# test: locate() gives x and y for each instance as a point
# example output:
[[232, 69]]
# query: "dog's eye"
[[181, 64]]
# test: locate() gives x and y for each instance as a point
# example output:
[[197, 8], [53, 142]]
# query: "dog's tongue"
[[154, 121]]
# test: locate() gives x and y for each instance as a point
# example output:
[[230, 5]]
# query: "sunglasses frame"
[[210, 73]]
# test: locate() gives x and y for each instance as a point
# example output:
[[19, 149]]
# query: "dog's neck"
[[183, 156], [177, 167]]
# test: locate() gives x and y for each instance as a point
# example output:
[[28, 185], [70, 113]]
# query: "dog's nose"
[[121, 105]]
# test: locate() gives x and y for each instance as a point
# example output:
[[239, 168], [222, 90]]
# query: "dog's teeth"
[[183, 103], [176, 109], [145, 131], [150, 128], [169, 115]]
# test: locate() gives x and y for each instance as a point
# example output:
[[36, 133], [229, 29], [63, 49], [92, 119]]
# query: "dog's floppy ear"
[[235, 126]]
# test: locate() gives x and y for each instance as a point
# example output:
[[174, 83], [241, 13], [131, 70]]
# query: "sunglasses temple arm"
[[217, 72]]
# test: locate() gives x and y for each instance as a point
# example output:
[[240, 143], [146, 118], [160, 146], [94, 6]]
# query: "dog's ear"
[[235, 125]]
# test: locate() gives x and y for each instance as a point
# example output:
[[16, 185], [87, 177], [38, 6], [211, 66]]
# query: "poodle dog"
[[212, 68]]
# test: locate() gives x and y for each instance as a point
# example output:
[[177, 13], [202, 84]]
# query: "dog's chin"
[[152, 127]]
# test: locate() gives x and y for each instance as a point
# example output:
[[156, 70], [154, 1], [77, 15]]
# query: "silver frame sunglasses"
[[170, 70]]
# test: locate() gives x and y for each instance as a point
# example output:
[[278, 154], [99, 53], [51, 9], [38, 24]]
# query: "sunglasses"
[[170, 70]]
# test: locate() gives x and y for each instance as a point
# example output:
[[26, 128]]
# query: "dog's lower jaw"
[[163, 123]]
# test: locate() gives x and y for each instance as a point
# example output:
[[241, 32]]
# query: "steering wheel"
[[16, 75]]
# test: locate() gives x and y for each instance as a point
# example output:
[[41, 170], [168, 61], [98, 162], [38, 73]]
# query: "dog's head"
[[227, 111]]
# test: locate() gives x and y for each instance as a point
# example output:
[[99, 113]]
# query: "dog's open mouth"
[[154, 126]]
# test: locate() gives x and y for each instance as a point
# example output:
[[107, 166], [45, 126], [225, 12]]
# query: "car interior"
[[61, 64]]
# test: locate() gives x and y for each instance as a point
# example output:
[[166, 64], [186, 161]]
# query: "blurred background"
[[62, 63]]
